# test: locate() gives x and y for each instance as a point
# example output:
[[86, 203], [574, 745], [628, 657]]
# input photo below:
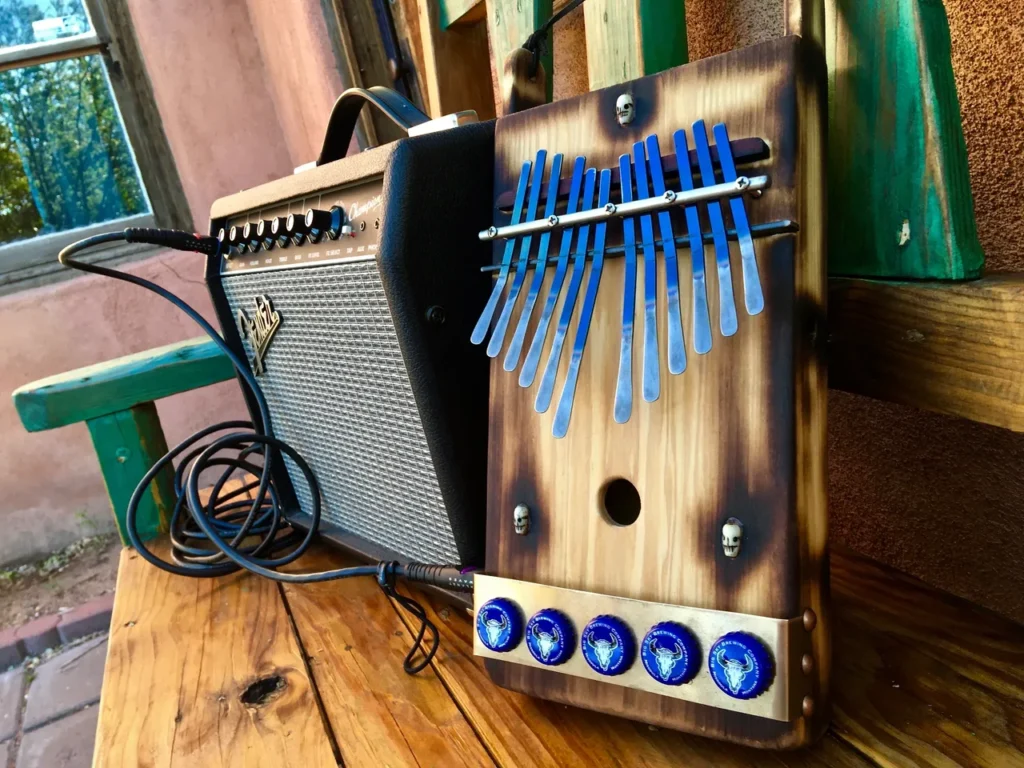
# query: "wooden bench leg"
[[127, 444]]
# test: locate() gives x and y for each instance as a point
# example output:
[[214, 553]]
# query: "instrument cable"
[[250, 533]]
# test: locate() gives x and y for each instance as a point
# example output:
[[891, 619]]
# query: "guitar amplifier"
[[351, 292]]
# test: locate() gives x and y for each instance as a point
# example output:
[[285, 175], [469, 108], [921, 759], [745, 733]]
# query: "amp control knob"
[[296, 228], [324, 223], [608, 645], [279, 232], [249, 237], [499, 624], [670, 653], [741, 665], [235, 242], [550, 637], [264, 234]]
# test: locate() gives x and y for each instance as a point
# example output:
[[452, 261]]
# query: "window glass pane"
[[23, 22], [65, 161]]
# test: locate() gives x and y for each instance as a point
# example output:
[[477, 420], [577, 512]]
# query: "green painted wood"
[[627, 39], [127, 444], [454, 11], [114, 386], [900, 201], [509, 23]]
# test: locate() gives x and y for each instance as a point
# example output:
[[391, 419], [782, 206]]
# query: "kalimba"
[[662, 557]]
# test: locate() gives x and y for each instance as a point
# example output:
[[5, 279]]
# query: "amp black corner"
[[352, 290]]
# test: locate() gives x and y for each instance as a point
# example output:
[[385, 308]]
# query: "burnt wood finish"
[[740, 433]]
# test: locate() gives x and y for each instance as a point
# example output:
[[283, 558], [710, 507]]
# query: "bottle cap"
[[741, 665], [608, 646], [550, 637], [499, 623], [670, 653]]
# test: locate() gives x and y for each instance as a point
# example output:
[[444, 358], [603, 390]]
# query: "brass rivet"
[[810, 620], [807, 663], [808, 706]]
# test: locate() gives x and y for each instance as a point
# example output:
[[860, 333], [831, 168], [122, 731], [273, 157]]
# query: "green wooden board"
[[127, 444], [900, 201], [117, 385]]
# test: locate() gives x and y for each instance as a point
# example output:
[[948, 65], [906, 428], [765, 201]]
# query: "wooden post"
[[452, 56], [900, 202], [627, 39], [128, 443]]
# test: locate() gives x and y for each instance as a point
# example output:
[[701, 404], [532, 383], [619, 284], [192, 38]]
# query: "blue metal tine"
[[624, 384], [676, 344], [651, 384], [480, 329], [752, 296], [512, 357], [529, 370], [701, 316], [727, 303], [547, 381], [498, 334], [564, 410]]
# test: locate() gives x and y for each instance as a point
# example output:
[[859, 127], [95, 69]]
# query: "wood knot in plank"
[[263, 691]]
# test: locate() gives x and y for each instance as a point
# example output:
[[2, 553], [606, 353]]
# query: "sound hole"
[[621, 501]]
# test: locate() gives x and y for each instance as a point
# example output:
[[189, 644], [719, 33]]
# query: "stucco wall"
[[244, 96]]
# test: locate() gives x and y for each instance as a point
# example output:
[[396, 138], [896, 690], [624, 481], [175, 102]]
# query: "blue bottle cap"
[[741, 665], [499, 623], [608, 645], [550, 637], [670, 653]]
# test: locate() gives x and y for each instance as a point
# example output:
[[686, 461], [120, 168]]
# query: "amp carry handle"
[[345, 113]]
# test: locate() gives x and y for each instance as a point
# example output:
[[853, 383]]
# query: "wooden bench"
[[116, 401], [241, 671]]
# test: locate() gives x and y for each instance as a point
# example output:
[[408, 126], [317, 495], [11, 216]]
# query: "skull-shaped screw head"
[[625, 109], [732, 537], [521, 518]]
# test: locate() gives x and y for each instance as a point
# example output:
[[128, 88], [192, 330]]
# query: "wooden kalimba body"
[[668, 471]]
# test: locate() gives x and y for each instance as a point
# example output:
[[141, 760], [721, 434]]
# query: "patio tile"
[[66, 683], [67, 743], [11, 684]]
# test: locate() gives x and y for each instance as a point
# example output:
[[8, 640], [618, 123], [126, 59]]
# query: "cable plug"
[[173, 238], [444, 576]]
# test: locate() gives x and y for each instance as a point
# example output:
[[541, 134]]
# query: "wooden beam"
[[900, 202], [627, 39], [509, 23], [454, 62], [117, 385], [954, 348]]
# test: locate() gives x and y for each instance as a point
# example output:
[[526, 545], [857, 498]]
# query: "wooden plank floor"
[[239, 671]]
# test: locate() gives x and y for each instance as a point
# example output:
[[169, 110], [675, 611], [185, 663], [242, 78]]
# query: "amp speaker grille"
[[339, 393]]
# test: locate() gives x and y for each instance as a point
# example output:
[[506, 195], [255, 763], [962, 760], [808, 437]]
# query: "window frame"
[[28, 263]]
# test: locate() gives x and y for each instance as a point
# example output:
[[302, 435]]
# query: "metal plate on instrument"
[[786, 639]]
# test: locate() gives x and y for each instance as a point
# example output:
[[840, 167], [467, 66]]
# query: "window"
[[81, 147]]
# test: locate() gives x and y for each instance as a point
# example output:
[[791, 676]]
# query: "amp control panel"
[[333, 225]]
